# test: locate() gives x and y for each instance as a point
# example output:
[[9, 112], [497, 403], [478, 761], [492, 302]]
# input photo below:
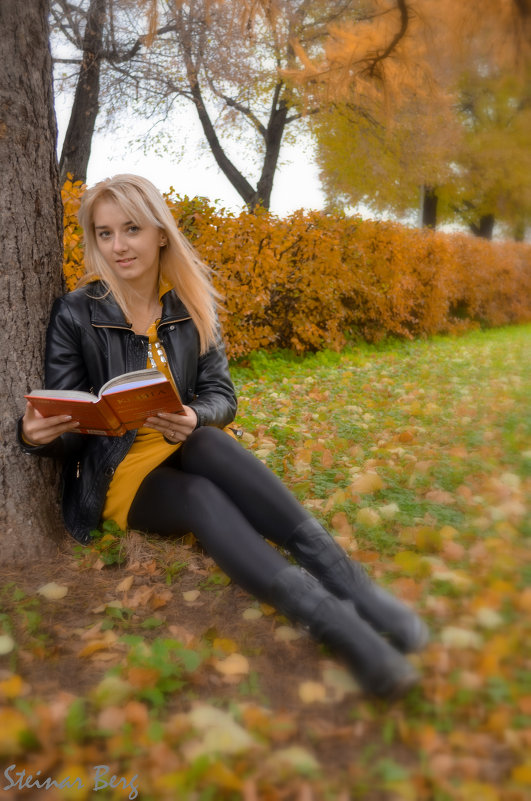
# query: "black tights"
[[231, 502]]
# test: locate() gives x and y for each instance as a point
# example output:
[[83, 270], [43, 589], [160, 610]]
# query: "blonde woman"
[[146, 300]]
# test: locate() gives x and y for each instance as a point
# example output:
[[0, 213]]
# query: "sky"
[[192, 170]]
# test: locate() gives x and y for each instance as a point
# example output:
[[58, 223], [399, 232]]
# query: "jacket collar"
[[105, 312]]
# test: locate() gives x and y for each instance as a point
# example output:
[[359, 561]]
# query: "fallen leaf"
[[522, 773], [440, 496], [489, 618], [191, 595], [182, 634], [311, 692], [219, 775], [365, 483], [225, 644], [368, 517], [234, 665], [160, 598], [286, 634], [111, 604], [72, 790], [13, 687], [112, 691], [337, 498], [112, 718], [7, 643], [252, 613], [107, 640], [12, 726], [453, 551], [389, 511], [93, 647], [341, 524], [221, 733], [455, 637], [125, 584], [407, 588], [478, 791], [53, 591], [142, 677], [523, 601], [412, 563], [295, 757], [339, 683]]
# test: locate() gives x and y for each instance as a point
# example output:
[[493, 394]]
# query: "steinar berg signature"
[[24, 781]]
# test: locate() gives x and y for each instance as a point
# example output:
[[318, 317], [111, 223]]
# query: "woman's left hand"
[[175, 427]]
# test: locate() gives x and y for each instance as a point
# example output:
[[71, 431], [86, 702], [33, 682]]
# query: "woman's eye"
[[134, 229], [103, 234]]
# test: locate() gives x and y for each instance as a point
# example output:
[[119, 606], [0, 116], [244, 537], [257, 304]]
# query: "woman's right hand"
[[39, 430]]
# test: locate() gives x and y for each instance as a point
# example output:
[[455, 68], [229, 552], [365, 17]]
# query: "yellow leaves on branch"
[[304, 281]]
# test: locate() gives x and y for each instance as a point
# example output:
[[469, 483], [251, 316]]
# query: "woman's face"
[[130, 250]]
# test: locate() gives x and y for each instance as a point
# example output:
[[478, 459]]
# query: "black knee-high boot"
[[378, 667], [316, 550]]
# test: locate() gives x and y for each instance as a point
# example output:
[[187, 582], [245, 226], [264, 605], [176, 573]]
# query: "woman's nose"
[[119, 244]]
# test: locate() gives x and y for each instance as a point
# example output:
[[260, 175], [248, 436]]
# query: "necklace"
[[159, 351]]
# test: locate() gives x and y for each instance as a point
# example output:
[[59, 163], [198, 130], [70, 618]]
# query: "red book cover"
[[123, 403]]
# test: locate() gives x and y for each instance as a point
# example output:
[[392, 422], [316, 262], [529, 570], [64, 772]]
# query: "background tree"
[[455, 128], [77, 143], [492, 84], [230, 60], [31, 258], [89, 29]]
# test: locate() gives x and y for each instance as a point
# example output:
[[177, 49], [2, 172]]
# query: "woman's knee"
[[197, 491], [204, 443]]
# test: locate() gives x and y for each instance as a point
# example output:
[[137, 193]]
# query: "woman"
[[146, 299]]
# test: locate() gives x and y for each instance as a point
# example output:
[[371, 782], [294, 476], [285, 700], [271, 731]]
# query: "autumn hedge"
[[313, 280]]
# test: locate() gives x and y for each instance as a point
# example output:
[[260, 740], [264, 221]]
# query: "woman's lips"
[[124, 262]]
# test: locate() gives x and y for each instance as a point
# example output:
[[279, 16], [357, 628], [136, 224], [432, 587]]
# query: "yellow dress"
[[148, 450]]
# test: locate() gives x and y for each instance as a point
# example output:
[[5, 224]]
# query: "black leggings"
[[231, 502]]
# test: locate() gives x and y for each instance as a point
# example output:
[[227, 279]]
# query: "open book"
[[123, 403]]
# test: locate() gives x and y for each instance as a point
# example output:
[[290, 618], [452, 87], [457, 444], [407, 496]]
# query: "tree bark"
[[429, 207], [485, 227], [239, 182], [75, 152], [261, 196], [273, 142], [30, 259]]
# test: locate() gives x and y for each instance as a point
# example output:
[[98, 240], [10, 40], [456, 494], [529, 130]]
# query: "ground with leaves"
[[140, 656]]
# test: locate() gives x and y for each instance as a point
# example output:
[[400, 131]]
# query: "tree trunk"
[[239, 182], [519, 231], [75, 153], [273, 140], [485, 228], [429, 207], [30, 259]]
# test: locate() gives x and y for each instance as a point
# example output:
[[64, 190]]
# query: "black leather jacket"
[[89, 342]]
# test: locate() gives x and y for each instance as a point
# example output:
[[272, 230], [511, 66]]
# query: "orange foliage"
[[311, 280]]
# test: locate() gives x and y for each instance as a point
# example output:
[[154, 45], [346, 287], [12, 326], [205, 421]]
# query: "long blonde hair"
[[179, 262]]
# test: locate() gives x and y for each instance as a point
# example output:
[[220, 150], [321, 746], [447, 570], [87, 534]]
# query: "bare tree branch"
[[402, 5]]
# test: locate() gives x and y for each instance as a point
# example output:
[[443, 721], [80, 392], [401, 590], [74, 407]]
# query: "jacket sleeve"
[[64, 368], [64, 365], [215, 400]]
